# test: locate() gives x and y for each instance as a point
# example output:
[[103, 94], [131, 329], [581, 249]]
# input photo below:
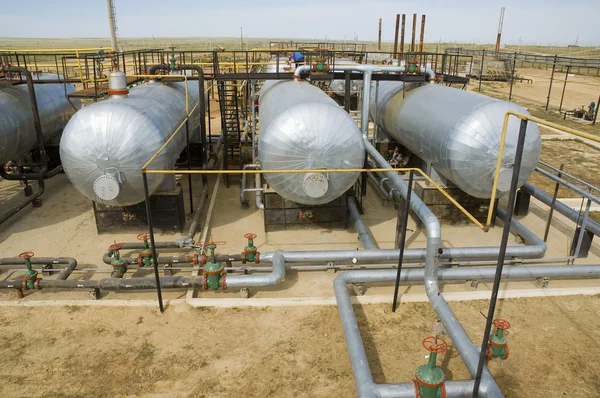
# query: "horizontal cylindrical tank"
[[105, 145], [338, 87], [302, 128], [17, 132], [458, 132]]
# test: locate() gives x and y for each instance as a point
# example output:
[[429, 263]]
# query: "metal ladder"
[[230, 121]]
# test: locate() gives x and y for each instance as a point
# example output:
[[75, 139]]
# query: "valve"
[[172, 60], [119, 266], [31, 280], [250, 253], [429, 378], [498, 347], [213, 275], [145, 256]]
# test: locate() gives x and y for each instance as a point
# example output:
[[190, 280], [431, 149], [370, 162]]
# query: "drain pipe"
[[363, 233], [258, 200], [461, 340], [257, 189], [560, 207]]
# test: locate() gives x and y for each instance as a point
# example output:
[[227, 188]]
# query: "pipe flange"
[[204, 285], [224, 283], [257, 258]]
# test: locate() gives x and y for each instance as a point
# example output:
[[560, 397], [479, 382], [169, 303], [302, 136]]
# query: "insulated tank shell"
[[458, 132], [17, 131], [107, 143], [302, 128]]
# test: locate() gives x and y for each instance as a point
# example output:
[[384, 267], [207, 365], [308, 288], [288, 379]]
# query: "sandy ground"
[[281, 352], [580, 160]]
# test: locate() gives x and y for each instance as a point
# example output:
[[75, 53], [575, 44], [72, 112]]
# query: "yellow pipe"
[[54, 50], [162, 148], [79, 65], [501, 150]]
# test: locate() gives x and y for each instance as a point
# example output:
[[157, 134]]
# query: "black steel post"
[[550, 214], [501, 255], [347, 88], [512, 76], [201, 116], [152, 243], [402, 239], [551, 80], [189, 163], [481, 69], [562, 97]]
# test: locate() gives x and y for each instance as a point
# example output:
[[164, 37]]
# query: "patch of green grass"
[[146, 350]]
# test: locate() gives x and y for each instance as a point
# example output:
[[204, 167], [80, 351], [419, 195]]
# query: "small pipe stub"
[[117, 83]]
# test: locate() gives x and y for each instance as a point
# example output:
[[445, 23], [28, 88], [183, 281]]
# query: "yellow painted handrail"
[[54, 50], [501, 151]]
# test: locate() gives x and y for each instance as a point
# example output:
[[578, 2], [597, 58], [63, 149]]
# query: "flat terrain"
[[580, 160], [282, 352]]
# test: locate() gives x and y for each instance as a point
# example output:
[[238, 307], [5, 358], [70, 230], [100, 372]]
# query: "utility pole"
[[500, 30], [414, 33], [396, 36], [112, 23], [241, 39], [379, 39]]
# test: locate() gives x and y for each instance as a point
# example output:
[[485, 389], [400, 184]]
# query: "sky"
[[528, 22]]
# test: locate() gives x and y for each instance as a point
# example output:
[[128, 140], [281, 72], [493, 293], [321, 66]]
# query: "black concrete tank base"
[[168, 214]]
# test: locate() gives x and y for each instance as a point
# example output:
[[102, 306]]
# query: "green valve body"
[[250, 253], [172, 63], [145, 258], [430, 379], [118, 264], [30, 278], [321, 67], [413, 68], [498, 345], [213, 271]]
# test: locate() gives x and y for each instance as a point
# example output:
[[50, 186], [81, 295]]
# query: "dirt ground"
[[580, 90], [581, 160], [281, 352]]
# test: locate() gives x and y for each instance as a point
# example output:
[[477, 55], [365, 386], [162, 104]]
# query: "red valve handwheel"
[[116, 246], [437, 346], [25, 255], [502, 324], [143, 236], [250, 235]]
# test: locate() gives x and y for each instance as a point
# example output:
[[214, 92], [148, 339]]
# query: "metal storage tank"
[[17, 132], [458, 132], [302, 128], [105, 145], [338, 87]]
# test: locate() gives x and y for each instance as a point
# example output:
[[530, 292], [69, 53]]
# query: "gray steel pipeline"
[[259, 280], [173, 282], [71, 263], [196, 219], [535, 248], [360, 227], [258, 199], [560, 207], [455, 330], [360, 364], [565, 183]]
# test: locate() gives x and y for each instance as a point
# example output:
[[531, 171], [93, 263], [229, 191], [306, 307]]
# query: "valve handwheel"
[[143, 236], [115, 247], [25, 255], [436, 345], [250, 235], [501, 324]]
